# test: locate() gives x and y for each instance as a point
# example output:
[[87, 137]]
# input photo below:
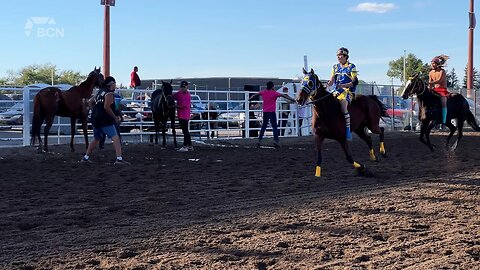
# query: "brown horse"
[[328, 121], [430, 111], [51, 101]]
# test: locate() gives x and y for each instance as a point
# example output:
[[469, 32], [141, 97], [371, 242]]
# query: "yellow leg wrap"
[[318, 171], [356, 165], [382, 148], [372, 155]]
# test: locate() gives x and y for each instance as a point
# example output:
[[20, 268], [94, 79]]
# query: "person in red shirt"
[[135, 79]]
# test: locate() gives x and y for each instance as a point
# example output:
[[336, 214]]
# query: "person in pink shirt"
[[183, 99], [269, 97]]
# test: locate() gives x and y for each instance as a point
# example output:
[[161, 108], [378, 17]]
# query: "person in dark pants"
[[184, 101], [269, 97]]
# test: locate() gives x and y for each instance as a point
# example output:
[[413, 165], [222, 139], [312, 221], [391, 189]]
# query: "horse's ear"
[[163, 82], [311, 71], [304, 71], [171, 81]]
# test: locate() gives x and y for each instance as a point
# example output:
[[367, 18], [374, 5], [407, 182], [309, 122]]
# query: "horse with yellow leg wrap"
[[328, 121]]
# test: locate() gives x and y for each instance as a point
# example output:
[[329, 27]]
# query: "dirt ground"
[[230, 205]]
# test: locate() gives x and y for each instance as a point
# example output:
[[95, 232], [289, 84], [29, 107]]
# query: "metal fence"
[[225, 114]]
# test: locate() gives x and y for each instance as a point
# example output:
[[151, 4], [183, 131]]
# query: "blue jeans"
[[272, 117]]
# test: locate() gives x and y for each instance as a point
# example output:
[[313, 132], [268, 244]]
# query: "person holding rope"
[[437, 81], [344, 78]]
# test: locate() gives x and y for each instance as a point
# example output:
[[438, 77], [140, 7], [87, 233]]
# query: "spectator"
[[184, 101], [211, 116], [301, 115], [135, 82], [269, 97], [104, 119]]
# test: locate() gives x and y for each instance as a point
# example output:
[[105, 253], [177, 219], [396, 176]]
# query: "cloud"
[[373, 7]]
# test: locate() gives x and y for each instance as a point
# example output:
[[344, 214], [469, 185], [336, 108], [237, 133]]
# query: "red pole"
[[470, 51], [106, 42]]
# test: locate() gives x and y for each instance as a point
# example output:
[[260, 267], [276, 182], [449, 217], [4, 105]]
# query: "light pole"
[[106, 35], [404, 66], [471, 27]]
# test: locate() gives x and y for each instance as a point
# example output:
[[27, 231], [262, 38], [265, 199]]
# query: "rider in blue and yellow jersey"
[[344, 78]]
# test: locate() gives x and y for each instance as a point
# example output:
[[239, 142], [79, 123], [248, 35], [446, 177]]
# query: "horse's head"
[[167, 88], [414, 86], [96, 76], [310, 85]]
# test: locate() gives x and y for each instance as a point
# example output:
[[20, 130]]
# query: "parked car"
[[12, 116]]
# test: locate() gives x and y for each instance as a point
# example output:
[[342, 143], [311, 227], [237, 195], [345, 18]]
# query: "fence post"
[[247, 115], [26, 116]]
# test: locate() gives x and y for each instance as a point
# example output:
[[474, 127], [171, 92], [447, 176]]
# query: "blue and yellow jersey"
[[345, 74]]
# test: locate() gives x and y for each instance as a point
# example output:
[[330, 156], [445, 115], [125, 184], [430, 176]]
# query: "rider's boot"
[[349, 134]]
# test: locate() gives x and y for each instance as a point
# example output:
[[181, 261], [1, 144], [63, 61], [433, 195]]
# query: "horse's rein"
[[316, 100]]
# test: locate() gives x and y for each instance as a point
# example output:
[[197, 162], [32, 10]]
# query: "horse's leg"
[[428, 129], [73, 129], [318, 144], [460, 133], [164, 131], [172, 124], [359, 168], [361, 132], [46, 131], [452, 129], [156, 123]]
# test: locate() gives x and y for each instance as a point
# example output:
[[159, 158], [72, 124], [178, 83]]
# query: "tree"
[[413, 65], [476, 79], [46, 73], [452, 79]]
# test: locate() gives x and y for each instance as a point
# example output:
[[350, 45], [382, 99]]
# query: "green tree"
[[452, 79], [476, 78], [413, 65], [46, 73]]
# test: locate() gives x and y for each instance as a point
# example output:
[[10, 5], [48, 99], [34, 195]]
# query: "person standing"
[[104, 119], [184, 101], [269, 97], [118, 113], [344, 78], [437, 81], [135, 82]]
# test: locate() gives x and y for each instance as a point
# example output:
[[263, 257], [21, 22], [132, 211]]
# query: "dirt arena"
[[230, 205]]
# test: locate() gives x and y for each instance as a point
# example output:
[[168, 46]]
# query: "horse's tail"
[[472, 121], [37, 119], [383, 108]]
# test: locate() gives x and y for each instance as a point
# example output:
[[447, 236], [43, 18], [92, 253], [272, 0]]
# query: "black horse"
[[328, 120], [163, 108], [430, 111]]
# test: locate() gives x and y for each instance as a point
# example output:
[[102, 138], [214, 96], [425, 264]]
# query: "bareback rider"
[[437, 81], [344, 77]]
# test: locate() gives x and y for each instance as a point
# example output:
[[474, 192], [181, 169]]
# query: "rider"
[[437, 81], [344, 77]]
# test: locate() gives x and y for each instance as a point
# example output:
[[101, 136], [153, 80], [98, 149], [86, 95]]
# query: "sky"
[[233, 38]]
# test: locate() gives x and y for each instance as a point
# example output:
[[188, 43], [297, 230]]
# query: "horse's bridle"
[[312, 86], [421, 85]]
